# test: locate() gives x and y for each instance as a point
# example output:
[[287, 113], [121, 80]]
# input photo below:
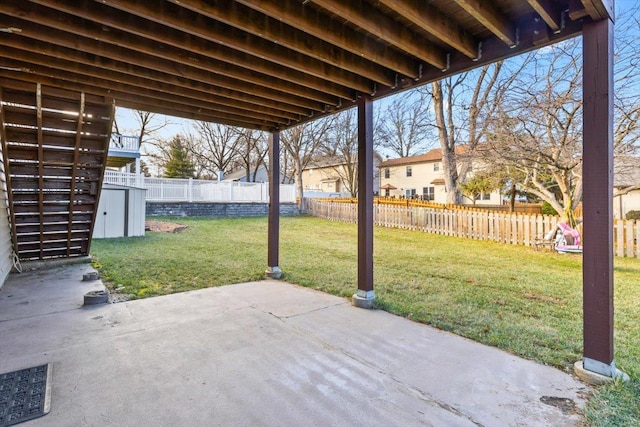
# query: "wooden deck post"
[[597, 200], [273, 269], [365, 296]]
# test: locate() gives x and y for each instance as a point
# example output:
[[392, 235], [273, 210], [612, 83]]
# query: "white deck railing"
[[195, 190], [124, 143]]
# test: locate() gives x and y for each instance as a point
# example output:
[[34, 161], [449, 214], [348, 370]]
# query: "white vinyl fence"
[[196, 190]]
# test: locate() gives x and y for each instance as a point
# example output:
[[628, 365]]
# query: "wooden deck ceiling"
[[267, 64]]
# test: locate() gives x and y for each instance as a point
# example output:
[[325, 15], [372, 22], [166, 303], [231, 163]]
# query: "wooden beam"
[[61, 88], [597, 266], [549, 13], [365, 199], [201, 26], [137, 86], [599, 9], [492, 18], [177, 90], [127, 56], [435, 23], [493, 50], [386, 28], [236, 15], [273, 249], [181, 47], [114, 73], [313, 22], [577, 10], [158, 105]]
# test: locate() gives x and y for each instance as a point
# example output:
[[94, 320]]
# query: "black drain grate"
[[24, 394]]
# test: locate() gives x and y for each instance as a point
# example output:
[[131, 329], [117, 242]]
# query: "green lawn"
[[528, 303]]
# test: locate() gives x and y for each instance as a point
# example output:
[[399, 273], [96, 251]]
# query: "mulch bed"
[[164, 226]]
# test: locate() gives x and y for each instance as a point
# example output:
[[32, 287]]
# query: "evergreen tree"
[[178, 165]]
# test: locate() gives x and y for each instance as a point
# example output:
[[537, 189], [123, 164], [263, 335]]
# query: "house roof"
[[331, 162], [236, 174], [430, 156], [267, 64]]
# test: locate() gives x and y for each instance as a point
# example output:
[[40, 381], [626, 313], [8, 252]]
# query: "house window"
[[386, 192], [409, 172], [428, 193], [483, 196], [387, 173], [410, 193], [436, 167]]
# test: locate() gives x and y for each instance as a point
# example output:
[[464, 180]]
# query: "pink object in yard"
[[568, 239]]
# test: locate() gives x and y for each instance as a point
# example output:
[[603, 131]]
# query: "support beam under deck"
[[598, 189], [365, 296], [273, 269]]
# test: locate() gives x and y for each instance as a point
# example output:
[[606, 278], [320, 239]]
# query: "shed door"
[[111, 219]]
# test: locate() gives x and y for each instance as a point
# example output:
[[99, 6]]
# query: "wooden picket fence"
[[524, 208], [508, 228]]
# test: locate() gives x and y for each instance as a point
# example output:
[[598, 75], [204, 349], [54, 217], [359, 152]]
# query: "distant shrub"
[[547, 209], [633, 215]]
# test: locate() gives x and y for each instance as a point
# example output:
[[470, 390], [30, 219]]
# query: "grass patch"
[[528, 303]]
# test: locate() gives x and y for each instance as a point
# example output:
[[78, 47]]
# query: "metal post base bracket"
[[364, 299], [598, 373], [273, 273]]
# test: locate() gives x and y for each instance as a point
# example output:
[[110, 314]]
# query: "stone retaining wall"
[[215, 210]]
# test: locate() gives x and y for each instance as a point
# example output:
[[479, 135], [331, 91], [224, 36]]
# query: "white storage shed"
[[121, 212]]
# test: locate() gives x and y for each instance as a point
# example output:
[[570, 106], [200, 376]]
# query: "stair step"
[[91, 110], [29, 227], [57, 148], [53, 120], [52, 198], [53, 157], [56, 139], [61, 172], [51, 229], [48, 240], [52, 209], [52, 217], [24, 183], [52, 252]]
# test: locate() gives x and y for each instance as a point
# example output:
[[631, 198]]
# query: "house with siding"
[[331, 176], [626, 182], [422, 177], [5, 233]]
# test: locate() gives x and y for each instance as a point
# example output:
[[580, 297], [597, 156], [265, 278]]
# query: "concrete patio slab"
[[265, 353]]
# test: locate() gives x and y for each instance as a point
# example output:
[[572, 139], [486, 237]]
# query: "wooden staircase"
[[55, 144]]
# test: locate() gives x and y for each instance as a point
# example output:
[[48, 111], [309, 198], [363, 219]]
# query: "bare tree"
[[341, 150], [148, 129], [538, 129], [301, 143], [461, 103], [216, 147], [251, 150], [403, 127]]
